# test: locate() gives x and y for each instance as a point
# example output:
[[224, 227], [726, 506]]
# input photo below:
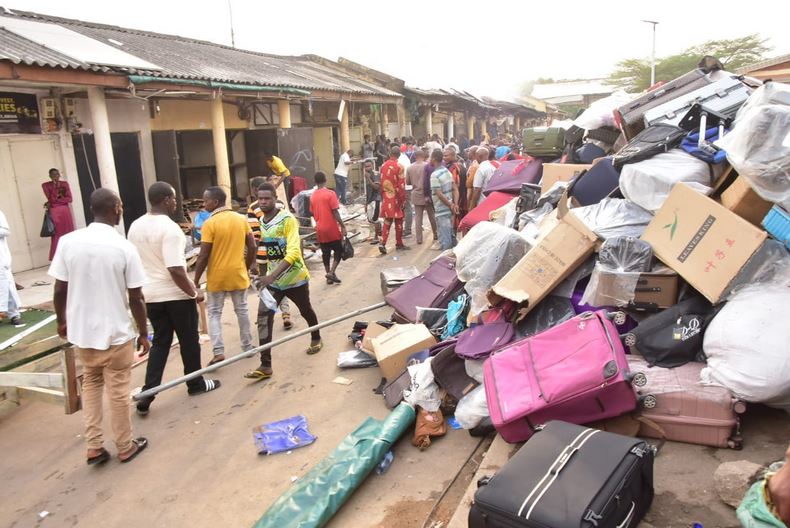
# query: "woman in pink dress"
[[58, 195]]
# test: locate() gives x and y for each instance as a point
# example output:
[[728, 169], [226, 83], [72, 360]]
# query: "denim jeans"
[[340, 188], [444, 225], [214, 304]]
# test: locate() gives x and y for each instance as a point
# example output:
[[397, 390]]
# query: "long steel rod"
[[249, 353]]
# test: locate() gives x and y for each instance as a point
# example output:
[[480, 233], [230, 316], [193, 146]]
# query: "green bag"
[[753, 511]]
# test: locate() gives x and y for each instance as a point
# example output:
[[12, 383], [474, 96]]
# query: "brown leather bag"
[[428, 424]]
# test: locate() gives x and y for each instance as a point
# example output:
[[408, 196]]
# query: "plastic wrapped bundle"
[[484, 256], [626, 253], [758, 145], [648, 183], [614, 217]]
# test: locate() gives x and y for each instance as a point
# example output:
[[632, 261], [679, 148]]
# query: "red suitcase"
[[481, 213], [686, 410], [435, 288]]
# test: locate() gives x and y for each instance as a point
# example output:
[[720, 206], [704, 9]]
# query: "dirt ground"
[[201, 468]]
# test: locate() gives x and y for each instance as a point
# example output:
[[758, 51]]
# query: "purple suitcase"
[[576, 371], [434, 288], [511, 174]]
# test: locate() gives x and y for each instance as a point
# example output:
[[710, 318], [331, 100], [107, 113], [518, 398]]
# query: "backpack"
[[649, 142]]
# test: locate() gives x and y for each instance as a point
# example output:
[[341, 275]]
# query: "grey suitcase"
[[724, 97], [393, 278]]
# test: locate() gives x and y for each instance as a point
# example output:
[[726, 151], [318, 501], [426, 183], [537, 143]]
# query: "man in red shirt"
[[393, 199], [329, 227]]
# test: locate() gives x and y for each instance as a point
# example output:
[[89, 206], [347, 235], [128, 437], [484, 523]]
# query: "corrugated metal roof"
[[767, 63], [185, 58], [20, 50]]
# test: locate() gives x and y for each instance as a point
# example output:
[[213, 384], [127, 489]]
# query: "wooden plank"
[[44, 380], [72, 384]]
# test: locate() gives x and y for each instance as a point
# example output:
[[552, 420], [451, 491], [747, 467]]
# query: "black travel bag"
[[568, 476], [673, 337], [653, 140], [596, 183]]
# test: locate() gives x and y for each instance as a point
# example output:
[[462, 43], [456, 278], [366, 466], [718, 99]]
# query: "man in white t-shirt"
[[98, 278], [341, 175], [171, 298], [482, 176]]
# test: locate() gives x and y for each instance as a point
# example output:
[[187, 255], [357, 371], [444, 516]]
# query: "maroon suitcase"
[[631, 116], [435, 288], [686, 410]]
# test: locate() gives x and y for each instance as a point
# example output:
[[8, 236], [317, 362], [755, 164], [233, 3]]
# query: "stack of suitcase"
[[434, 288]]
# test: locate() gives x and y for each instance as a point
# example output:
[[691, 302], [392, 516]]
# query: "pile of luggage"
[[638, 293]]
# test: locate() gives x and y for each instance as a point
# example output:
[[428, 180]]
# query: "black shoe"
[[17, 321], [143, 406], [208, 386], [382, 249]]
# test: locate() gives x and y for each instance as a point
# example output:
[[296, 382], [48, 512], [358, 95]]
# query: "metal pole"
[[249, 353], [232, 35], [653, 56]]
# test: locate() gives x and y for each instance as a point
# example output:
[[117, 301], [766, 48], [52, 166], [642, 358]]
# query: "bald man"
[[98, 279], [483, 174]]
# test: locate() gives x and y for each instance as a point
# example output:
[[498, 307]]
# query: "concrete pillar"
[[450, 125], [402, 119], [429, 120], [385, 120], [517, 123], [484, 128], [470, 127], [101, 135], [284, 109], [220, 143], [345, 133]]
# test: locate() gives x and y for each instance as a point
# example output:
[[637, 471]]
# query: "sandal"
[[139, 444], [216, 359], [259, 374], [315, 348], [101, 458]]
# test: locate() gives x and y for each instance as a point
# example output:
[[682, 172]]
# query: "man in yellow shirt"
[[225, 237], [279, 173]]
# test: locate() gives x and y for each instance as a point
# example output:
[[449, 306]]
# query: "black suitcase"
[[631, 115], [649, 142], [596, 183], [673, 337], [568, 476]]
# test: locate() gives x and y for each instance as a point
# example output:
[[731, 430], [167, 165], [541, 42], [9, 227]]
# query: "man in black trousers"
[[171, 298]]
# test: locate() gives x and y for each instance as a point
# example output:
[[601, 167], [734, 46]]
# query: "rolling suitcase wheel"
[[617, 318], [629, 339], [647, 401], [637, 379]]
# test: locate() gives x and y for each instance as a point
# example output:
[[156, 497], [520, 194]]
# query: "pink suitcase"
[[686, 410], [575, 371]]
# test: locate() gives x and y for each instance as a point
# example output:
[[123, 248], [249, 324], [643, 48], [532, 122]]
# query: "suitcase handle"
[[652, 289]]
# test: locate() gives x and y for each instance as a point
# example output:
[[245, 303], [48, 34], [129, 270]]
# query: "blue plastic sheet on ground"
[[285, 435]]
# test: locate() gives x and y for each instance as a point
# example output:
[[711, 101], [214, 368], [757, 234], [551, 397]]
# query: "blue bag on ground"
[[284, 435], [691, 145]]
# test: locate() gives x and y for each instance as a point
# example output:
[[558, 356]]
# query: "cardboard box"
[[562, 172], [556, 256], [741, 199], [701, 240], [373, 330], [656, 289], [393, 347]]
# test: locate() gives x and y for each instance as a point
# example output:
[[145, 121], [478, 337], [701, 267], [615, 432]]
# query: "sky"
[[484, 47]]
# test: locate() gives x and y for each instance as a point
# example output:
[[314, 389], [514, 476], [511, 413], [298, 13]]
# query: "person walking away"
[[171, 298], [444, 201], [280, 175], [422, 205], [329, 228], [341, 176], [9, 297], [381, 152], [482, 176], [471, 168], [285, 275], [393, 200], [226, 237], [408, 210], [58, 195], [98, 279], [373, 204], [254, 214]]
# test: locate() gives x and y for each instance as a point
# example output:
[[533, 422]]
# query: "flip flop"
[[314, 349], [217, 359], [101, 458], [258, 374], [140, 444]]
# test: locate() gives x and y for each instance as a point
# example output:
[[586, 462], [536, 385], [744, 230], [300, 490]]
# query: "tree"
[[633, 75]]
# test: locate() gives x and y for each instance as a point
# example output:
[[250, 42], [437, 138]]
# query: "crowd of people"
[[430, 178]]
